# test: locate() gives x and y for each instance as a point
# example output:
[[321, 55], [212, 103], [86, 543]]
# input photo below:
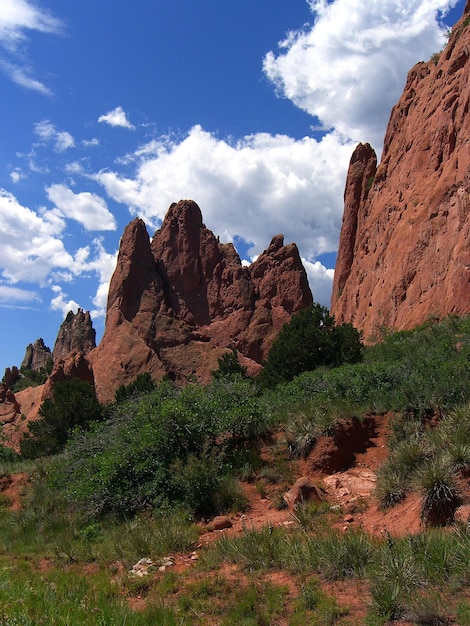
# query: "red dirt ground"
[[347, 480]]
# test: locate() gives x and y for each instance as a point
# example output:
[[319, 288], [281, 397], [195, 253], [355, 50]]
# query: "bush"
[[310, 340], [229, 366], [166, 447], [73, 405], [142, 384]]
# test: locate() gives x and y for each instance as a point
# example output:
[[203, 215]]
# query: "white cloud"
[[256, 188], [60, 303], [14, 297], [86, 208], [104, 265], [321, 281], [17, 18], [16, 175], [116, 117], [21, 76], [90, 143], [348, 68], [47, 133], [30, 244]]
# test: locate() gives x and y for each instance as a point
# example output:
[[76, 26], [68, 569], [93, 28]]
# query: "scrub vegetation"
[[144, 477]]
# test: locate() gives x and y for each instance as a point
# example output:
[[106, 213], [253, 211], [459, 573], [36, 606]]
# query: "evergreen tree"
[[310, 340], [74, 404]]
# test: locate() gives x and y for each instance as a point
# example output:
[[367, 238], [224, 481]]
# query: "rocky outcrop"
[[178, 302], [404, 252], [11, 376], [9, 407], [37, 356], [74, 365], [76, 334]]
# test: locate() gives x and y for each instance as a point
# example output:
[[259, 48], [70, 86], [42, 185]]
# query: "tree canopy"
[[311, 339]]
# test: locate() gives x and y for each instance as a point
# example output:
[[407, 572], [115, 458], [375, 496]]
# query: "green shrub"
[[435, 480], [167, 446], [310, 340], [73, 405], [142, 384], [229, 366]]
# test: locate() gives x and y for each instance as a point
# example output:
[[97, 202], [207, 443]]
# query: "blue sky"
[[112, 109]]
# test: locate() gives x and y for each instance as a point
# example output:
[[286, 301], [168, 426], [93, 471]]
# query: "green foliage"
[[229, 366], [142, 384], [417, 373], [429, 460], [73, 405], [310, 340], [343, 558], [33, 378], [437, 482], [168, 446], [61, 596]]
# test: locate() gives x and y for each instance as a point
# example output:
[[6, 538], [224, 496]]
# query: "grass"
[[129, 491], [67, 597]]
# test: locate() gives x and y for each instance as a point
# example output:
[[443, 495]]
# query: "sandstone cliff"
[[76, 334], [37, 356], [404, 252], [177, 303]]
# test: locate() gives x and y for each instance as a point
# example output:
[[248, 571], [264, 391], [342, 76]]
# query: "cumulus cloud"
[[47, 133], [103, 264], [32, 251], [348, 68], [86, 208], [116, 117], [255, 188], [60, 302], [320, 279], [30, 244], [17, 18]]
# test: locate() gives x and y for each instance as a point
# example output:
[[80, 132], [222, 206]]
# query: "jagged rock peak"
[[37, 356], [179, 303], [404, 253], [76, 333]]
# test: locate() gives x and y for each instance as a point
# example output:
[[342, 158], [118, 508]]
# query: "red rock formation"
[[404, 251], [9, 407], [74, 365], [175, 305], [37, 356], [76, 333]]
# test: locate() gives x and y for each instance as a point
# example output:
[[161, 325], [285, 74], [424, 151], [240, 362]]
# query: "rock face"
[[177, 303], [404, 252], [75, 334], [37, 356]]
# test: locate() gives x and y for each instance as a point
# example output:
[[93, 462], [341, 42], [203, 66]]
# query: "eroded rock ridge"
[[178, 302], [404, 252]]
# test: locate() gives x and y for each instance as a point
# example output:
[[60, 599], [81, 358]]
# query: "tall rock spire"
[[404, 251]]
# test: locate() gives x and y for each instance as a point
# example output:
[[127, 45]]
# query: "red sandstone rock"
[[75, 365], [404, 251], [303, 491], [221, 522], [177, 304], [9, 407], [37, 355]]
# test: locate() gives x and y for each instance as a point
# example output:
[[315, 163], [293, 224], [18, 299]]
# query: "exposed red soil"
[[12, 488], [344, 467]]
